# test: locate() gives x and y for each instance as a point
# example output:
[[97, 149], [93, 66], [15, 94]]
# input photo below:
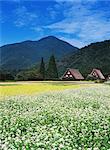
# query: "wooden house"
[[97, 74], [108, 78], [72, 74]]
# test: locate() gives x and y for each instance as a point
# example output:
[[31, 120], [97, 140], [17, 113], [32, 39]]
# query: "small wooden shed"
[[97, 74], [72, 74]]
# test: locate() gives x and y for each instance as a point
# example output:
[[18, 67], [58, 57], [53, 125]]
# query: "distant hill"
[[23, 55], [95, 55]]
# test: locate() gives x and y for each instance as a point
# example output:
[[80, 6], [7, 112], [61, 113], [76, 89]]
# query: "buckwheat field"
[[66, 119]]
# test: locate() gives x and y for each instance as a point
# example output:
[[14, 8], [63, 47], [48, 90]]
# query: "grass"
[[36, 88], [72, 119], [7, 85]]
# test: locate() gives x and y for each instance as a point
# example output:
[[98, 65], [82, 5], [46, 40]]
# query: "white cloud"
[[77, 1], [37, 29], [24, 17], [65, 26], [84, 23], [52, 13], [95, 29], [73, 41]]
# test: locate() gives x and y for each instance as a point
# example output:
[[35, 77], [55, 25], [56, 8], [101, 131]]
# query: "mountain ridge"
[[27, 41], [24, 54], [95, 55]]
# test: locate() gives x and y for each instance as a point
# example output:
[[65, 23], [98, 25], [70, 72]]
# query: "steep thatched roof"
[[75, 74]]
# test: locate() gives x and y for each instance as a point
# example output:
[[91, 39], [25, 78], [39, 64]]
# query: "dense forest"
[[34, 73], [95, 55]]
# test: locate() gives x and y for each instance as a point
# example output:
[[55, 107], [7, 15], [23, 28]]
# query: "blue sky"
[[79, 22]]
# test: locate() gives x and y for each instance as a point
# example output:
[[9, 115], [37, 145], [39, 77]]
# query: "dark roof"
[[99, 73], [76, 74]]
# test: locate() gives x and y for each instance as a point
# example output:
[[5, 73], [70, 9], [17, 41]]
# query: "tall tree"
[[52, 72], [42, 69]]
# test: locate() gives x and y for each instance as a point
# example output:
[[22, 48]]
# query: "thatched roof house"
[[97, 74], [108, 78], [72, 74]]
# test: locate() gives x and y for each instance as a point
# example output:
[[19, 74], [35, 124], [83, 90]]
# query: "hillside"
[[95, 55], [23, 55]]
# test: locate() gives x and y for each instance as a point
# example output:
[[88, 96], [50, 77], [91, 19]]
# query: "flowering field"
[[25, 88], [73, 119]]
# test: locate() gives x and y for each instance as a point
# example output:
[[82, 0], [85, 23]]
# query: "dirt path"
[[47, 82]]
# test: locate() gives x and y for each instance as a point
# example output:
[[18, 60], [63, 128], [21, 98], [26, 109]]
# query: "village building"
[[72, 74], [96, 74], [108, 78]]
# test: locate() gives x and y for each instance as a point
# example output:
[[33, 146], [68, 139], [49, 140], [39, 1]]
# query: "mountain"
[[23, 55], [95, 55]]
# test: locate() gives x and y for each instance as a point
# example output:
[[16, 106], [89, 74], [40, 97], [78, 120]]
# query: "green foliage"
[[5, 75], [39, 74], [96, 55], [52, 72], [25, 54], [28, 75], [42, 69]]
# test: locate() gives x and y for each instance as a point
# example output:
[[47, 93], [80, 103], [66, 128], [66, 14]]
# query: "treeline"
[[6, 75], [43, 72]]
